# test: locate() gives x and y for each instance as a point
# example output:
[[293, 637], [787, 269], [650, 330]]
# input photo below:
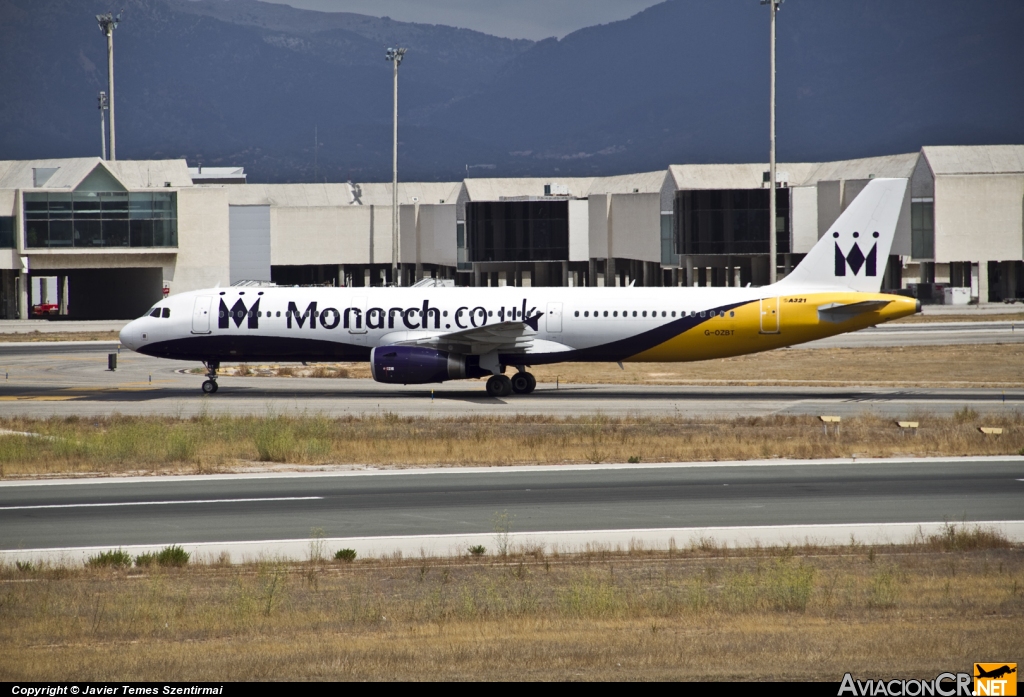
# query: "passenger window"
[[615, 313], [278, 313], [490, 313], [167, 312], [702, 313], [577, 313], [586, 313], [663, 313], [445, 313], [731, 313], [606, 313], [634, 313], [644, 313], [673, 313]]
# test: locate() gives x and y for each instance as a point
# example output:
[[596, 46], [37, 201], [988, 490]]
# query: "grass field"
[[693, 613], [123, 444]]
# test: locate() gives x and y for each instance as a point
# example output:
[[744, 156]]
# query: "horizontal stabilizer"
[[837, 312]]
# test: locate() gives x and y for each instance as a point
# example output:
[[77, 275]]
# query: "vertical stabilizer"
[[852, 254]]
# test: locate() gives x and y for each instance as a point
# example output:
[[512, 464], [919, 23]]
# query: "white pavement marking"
[[563, 542], [158, 503], [355, 471]]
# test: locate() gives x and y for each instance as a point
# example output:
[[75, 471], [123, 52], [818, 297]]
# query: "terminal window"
[[730, 221], [7, 232], [517, 230], [922, 228], [91, 219]]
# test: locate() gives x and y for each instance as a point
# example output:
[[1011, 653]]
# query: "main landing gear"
[[520, 383], [210, 386]]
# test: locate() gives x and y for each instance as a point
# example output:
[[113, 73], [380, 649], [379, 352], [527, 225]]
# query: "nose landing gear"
[[210, 385]]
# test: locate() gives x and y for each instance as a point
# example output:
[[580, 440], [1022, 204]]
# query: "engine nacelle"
[[417, 365]]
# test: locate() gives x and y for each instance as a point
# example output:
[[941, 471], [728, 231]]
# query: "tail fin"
[[853, 253]]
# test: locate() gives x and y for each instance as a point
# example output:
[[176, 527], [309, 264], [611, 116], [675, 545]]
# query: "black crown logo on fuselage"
[[856, 259]]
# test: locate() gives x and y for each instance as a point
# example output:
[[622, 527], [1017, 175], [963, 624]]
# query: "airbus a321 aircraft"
[[422, 335]]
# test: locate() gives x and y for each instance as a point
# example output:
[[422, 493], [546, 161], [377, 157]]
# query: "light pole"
[[103, 124], [108, 23], [395, 56], [773, 271]]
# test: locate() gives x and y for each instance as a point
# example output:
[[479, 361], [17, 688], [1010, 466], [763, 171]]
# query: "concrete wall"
[[579, 230], [249, 233], [203, 240], [438, 244], [803, 212], [979, 217], [598, 218], [635, 226], [830, 204]]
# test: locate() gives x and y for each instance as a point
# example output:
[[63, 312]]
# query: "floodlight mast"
[[103, 124], [395, 56], [773, 269], [108, 23]]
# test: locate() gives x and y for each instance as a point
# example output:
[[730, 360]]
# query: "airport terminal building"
[[91, 239]]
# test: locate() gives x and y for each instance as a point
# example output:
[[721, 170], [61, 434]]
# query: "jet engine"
[[417, 365]]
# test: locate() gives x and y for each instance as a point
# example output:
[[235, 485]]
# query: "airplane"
[[420, 335]]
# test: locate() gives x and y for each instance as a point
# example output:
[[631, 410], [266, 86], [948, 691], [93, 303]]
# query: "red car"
[[45, 309]]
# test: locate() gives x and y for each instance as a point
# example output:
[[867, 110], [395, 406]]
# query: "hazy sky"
[[517, 19]]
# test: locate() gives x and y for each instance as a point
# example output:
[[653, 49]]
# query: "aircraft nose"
[[129, 336]]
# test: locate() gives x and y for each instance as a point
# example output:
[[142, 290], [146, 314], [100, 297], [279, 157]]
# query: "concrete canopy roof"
[[324, 195], [642, 183], [895, 166], [70, 172], [975, 159], [738, 176], [494, 189]]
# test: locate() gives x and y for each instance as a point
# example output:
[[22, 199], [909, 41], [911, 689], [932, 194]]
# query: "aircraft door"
[[201, 315], [355, 316], [769, 315], [554, 317]]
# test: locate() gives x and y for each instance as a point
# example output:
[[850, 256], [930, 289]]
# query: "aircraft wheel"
[[499, 386], [209, 387], [523, 383]]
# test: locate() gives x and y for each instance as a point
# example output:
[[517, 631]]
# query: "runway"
[[63, 379], [262, 509]]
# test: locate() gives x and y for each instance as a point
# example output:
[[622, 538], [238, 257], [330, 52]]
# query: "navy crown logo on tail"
[[855, 258]]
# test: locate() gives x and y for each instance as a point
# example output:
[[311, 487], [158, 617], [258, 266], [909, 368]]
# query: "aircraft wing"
[[837, 312], [507, 337]]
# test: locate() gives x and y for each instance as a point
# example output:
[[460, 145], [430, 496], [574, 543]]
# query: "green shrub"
[[477, 550], [172, 556], [633, 460], [275, 441], [146, 559], [884, 592], [118, 558], [345, 555], [25, 566]]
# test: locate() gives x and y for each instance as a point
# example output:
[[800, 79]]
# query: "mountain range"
[[296, 95]]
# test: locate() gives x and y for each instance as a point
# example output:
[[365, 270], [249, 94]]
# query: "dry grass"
[[981, 365], [697, 613], [122, 444]]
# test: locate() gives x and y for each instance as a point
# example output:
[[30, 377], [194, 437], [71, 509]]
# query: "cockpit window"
[[155, 312], [167, 312]]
